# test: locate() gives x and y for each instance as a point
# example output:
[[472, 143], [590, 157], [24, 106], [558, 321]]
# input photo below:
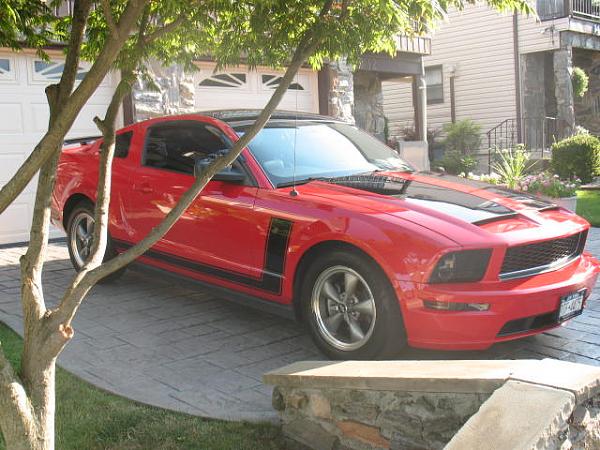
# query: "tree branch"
[[81, 12], [108, 16], [84, 281], [164, 30], [107, 128]]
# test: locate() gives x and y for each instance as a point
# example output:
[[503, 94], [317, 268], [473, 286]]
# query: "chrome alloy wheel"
[[344, 308], [80, 237]]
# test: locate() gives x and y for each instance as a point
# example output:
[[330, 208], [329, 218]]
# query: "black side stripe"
[[271, 279]]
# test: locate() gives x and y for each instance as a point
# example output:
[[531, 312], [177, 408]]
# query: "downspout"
[[517, 58]]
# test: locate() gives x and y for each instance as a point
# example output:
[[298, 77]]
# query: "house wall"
[[478, 44]]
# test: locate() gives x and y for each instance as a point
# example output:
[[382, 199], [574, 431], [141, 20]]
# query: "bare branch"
[[108, 16], [81, 12], [166, 29], [32, 261], [107, 127]]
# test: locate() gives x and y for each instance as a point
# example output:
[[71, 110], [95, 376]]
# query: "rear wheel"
[[351, 308], [80, 232]]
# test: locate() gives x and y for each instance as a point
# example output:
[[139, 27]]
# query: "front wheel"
[[80, 231], [351, 308]]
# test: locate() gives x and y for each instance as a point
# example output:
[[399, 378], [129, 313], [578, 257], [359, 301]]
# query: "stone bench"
[[434, 404]]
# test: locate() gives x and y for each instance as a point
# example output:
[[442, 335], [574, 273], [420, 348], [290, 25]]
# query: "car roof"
[[237, 116]]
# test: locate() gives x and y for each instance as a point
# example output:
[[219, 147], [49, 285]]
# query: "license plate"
[[571, 305]]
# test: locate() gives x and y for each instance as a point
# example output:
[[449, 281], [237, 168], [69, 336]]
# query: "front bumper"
[[518, 308]]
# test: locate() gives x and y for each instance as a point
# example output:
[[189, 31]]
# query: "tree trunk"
[[28, 403]]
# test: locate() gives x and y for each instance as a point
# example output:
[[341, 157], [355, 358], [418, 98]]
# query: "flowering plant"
[[511, 165], [549, 185]]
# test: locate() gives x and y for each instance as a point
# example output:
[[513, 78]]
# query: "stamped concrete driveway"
[[178, 346]]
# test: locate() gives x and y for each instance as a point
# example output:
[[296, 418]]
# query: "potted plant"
[[561, 192]]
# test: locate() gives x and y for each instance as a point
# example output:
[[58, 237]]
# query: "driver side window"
[[177, 145]]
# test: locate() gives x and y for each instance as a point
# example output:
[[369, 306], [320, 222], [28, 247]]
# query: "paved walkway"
[[181, 347]]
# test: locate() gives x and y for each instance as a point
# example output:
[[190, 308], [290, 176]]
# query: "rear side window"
[[122, 144], [176, 145]]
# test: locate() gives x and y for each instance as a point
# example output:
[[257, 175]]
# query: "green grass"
[[588, 206], [89, 418]]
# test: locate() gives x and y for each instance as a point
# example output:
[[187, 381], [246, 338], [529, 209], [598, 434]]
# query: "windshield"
[[323, 150]]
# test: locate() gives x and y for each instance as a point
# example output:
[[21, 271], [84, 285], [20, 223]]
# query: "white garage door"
[[23, 120], [240, 87]]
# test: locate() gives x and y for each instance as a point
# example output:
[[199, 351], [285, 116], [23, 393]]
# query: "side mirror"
[[228, 175]]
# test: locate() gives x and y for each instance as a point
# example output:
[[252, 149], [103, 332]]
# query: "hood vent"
[[385, 185]]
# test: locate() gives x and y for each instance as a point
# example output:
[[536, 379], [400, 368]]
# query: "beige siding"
[[536, 36], [478, 43]]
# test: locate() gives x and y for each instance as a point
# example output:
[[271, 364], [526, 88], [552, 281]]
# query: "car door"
[[217, 235]]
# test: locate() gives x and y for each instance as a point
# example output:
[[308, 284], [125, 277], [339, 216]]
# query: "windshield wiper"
[[302, 181]]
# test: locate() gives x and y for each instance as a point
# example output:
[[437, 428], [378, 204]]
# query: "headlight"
[[460, 267]]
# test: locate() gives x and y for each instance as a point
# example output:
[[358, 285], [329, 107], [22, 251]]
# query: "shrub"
[[580, 81], [549, 185], [577, 157], [463, 137], [455, 163], [511, 165]]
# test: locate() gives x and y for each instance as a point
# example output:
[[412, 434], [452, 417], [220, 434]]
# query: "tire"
[[372, 306], [83, 215]]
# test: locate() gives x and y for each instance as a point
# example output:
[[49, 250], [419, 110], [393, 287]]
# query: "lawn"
[[89, 418], [588, 206]]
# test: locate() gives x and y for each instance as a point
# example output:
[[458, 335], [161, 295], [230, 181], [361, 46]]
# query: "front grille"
[[529, 259]]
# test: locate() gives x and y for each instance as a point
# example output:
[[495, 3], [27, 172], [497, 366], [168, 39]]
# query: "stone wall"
[[584, 426], [368, 103], [456, 405], [563, 89], [587, 109], [169, 90], [356, 97], [341, 91], [359, 419]]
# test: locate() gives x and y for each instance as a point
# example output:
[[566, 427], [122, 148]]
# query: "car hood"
[[446, 204]]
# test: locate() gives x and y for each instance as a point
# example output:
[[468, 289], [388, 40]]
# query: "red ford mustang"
[[320, 221]]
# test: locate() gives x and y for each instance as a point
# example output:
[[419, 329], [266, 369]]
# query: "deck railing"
[[553, 9]]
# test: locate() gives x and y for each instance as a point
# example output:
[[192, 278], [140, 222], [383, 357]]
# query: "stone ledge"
[[409, 376], [581, 380], [518, 415], [429, 404]]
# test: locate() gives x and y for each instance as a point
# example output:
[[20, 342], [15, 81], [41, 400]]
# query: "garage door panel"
[[23, 121], [40, 113], [10, 163], [15, 221], [11, 118], [84, 124], [239, 88]]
